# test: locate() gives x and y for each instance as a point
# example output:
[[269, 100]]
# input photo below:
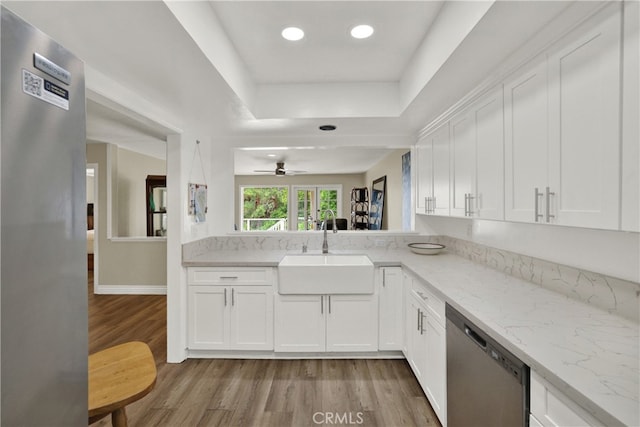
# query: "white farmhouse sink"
[[325, 274]]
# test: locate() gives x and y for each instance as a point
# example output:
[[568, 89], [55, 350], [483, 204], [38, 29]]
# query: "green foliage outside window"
[[267, 205]]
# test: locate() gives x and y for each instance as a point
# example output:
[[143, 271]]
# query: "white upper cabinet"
[[424, 175], [433, 172], [477, 159], [562, 131], [488, 200], [463, 163], [525, 112], [630, 123], [556, 143], [584, 126]]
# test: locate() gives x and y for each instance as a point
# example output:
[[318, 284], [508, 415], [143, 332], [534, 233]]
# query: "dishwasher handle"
[[475, 337]]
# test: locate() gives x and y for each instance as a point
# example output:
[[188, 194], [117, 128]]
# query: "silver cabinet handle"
[[321, 304], [422, 316], [537, 196], [419, 317], [466, 203], [548, 204], [233, 296], [426, 205], [384, 277], [468, 211], [329, 304], [228, 277], [225, 297]]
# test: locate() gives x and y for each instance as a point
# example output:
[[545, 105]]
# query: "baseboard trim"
[[130, 289]]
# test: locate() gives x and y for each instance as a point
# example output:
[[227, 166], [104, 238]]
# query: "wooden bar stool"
[[118, 376]]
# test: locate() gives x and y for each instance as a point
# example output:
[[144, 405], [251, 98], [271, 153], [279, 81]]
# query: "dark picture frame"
[[378, 196]]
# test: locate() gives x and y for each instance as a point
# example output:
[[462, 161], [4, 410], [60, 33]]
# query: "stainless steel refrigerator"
[[43, 280]]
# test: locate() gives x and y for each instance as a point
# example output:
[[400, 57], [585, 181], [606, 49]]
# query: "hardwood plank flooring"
[[226, 392]]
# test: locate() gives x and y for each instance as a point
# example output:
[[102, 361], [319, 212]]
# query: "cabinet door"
[[630, 122], [252, 318], [463, 163], [208, 318], [584, 132], [440, 151], [424, 174], [436, 373], [488, 199], [391, 317], [417, 346], [352, 322], [299, 323], [525, 111]]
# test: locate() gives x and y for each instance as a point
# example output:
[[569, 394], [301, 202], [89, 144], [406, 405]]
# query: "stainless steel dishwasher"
[[486, 384]]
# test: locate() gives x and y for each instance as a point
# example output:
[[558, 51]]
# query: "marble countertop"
[[590, 355]]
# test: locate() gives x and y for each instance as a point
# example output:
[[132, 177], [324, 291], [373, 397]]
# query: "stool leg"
[[119, 418]]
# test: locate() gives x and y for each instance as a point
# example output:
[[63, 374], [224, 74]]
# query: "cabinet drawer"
[[230, 276], [435, 306]]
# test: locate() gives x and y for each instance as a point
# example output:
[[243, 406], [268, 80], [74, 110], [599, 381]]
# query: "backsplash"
[[616, 296], [295, 241]]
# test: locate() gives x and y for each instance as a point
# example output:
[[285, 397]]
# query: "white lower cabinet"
[[416, 337], [391, 318], [427, 345], [551, 408], [226, 313], [332, 323]]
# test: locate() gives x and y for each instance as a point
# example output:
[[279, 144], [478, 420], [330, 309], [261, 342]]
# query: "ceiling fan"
[[280, 170]]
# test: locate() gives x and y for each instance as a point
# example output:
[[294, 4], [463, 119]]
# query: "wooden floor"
[[224, 392]]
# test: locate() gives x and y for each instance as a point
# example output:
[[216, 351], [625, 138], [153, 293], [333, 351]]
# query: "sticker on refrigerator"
[[44, 90]]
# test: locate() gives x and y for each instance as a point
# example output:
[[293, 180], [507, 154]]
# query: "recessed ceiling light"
[[327, 127], [292, 33], [271, 155], [361, 31]]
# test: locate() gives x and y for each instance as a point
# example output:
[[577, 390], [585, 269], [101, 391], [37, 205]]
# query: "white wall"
[[132, 170], [391, 166]]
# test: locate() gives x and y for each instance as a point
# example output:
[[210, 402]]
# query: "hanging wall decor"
[[198, 192]]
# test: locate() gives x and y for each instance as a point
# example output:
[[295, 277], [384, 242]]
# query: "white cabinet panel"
[[352, 322], [584, 128], [526, 127], [441, 188], [433, 172], [488, 200], [208, 318], [252, 318], [416, 337], [391, 316], [318, 323], [551, 408], [630, 122], [463, 163], [436, 372], [299, 323], [424, 175]]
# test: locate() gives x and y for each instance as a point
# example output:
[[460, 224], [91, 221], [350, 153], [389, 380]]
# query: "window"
[[264, 208]]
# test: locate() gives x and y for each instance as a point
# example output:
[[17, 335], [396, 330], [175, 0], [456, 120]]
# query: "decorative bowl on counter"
[[426, 248]]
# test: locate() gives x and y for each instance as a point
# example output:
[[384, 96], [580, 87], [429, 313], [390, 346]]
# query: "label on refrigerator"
[[45, 90]]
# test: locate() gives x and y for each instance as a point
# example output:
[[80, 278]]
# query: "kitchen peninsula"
[[582, 350]]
